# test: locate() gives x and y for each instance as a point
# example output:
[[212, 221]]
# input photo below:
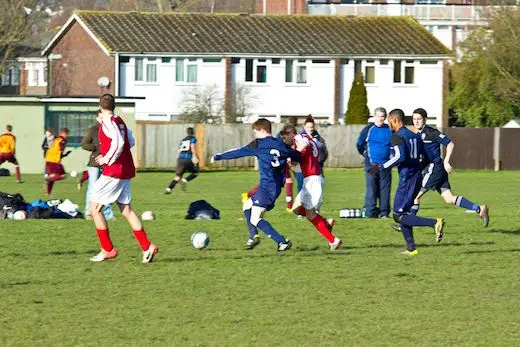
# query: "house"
[[513, 123], [25, 73], [289, 65]]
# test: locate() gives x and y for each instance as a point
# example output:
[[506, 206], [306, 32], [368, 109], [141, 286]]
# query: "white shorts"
[[108, 190], [311, 195]]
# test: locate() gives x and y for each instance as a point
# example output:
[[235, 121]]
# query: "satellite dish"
[[103, 81]]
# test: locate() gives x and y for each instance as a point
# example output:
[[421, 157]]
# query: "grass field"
[[463, 291]]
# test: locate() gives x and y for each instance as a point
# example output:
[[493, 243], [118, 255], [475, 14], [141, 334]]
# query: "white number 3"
[[275, 155]]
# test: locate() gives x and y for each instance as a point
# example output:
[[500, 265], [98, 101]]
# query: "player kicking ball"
[[272, 156], [309, 199], [407, 150], [114, 183]]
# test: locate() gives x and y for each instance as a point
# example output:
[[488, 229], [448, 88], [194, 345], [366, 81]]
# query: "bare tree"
[[18, 21], [243, 101], [203, 104]]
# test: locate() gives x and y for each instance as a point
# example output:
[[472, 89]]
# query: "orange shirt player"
[[8, 149], [55, 153]]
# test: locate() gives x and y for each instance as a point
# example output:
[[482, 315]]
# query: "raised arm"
[[245, 151]]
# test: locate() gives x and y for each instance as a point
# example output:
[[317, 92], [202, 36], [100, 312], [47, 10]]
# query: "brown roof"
[[226, 34]]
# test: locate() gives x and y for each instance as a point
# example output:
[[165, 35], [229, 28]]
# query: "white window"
[[36, 74], [296, 71], [14, 76], [186, 70], [5, 79], [256, 70], [370, 72], [145, 69], [404, 72]]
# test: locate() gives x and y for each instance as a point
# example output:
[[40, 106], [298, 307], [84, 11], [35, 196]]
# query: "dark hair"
[[64, 130], [262, 124], [421, 112], [51, 130], [397, 113], [287, 129], [107, 102], [309, 119], [190, 131], [9, 127]]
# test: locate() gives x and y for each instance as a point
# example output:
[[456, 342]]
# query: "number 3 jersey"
[[272, 156], [309, 163], [407, 151], [185, 147]]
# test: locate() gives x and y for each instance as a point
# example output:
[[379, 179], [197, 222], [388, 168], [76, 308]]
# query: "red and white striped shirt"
[[114, 145]]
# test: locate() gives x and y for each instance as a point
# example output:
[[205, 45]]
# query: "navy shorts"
[[435, 177], [264, 199], [407, 190]]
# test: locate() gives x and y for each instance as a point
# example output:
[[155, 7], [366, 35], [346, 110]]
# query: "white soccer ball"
[[148, 215], [200, 239], [20, 214], [73, 174]]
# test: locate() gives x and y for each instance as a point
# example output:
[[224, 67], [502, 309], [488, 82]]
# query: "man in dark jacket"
[[90, 142], [374, 144]]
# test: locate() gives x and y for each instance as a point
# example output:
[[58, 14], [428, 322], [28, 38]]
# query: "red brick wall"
[[82, 63], [280, 6]]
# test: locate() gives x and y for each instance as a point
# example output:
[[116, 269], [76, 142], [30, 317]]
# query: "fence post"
[[496, 148], [201, 144]]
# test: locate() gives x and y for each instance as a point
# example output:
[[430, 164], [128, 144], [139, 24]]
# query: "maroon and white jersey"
[[114, 145], [309, 164]]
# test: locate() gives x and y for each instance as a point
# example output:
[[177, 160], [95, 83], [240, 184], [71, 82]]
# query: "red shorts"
[[9, 157], [55, 168]]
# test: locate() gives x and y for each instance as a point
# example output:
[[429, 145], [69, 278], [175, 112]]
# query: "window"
[[298, 69], [249, 70], [138, 76], [383, 62], [77, 123], [320, 61], [36, 74], [14, 76], [124, 59], [407, 69], [256, 71], [235, 60], [428, 62], [45, 72], [397, 71], [166, 60], [211, 60], [275, 61], [370, 74], [151, 70], [5, 79], [288, 70], [179, 70], [343, 61], [357, 67], [186, 70]]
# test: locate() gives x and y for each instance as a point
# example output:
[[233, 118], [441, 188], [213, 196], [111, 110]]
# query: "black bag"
[[4, 172], [40, 213], [201, 209], [16, 201]]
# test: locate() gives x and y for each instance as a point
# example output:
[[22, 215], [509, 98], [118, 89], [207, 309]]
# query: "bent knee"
[[255, 220]]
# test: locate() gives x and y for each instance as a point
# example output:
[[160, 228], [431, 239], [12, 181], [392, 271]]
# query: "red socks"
[[288, 194], [252, 192], [17, 171], [321, 225], [104, 239], [140, 235], [84, 177]]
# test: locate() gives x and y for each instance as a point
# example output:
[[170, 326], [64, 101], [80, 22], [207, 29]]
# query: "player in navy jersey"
[[187, 161], [272, 154], [436, 173], [407, 150]]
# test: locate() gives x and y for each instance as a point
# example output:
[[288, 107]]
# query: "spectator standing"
[[374, 144]]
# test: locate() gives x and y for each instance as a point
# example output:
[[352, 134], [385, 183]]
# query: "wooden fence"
[[157, 144]]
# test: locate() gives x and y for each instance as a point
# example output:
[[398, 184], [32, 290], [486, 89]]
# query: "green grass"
[[463, 291]]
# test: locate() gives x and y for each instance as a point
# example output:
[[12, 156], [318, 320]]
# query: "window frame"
[[187, 64], [405, 65], [256, 64], [145, 62], [298, 65]]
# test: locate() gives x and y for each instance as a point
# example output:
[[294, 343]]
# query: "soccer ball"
[[148, 215], [73, 174], [200, 239], [20, 214]]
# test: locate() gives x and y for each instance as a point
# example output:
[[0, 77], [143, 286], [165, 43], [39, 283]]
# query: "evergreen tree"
[[357, 109]]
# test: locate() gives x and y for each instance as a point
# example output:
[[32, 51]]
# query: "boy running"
[[8, 150], [55, 170], [114, 183], [272, 156], [309, 199], [187, 161]]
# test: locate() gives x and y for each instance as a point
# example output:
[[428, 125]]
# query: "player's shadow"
[[69, 252], [15, 284], [491, 251], [508, 232], [442, 244]]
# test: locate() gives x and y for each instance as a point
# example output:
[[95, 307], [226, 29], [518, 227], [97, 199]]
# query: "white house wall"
[[276, 98]]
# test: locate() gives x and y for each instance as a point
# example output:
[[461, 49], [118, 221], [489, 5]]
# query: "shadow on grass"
[[491, 251], [14, 284], [69, 252], [507, 232], [442, 244]]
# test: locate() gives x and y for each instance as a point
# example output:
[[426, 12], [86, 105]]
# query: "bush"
[[357, 109]]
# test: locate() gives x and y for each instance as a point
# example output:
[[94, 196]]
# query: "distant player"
[[407, 150], [436, 173], [309, 199], [8, 151], [114, 183], [47, 140], [272, 156], [186, 162], [56, 152]]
